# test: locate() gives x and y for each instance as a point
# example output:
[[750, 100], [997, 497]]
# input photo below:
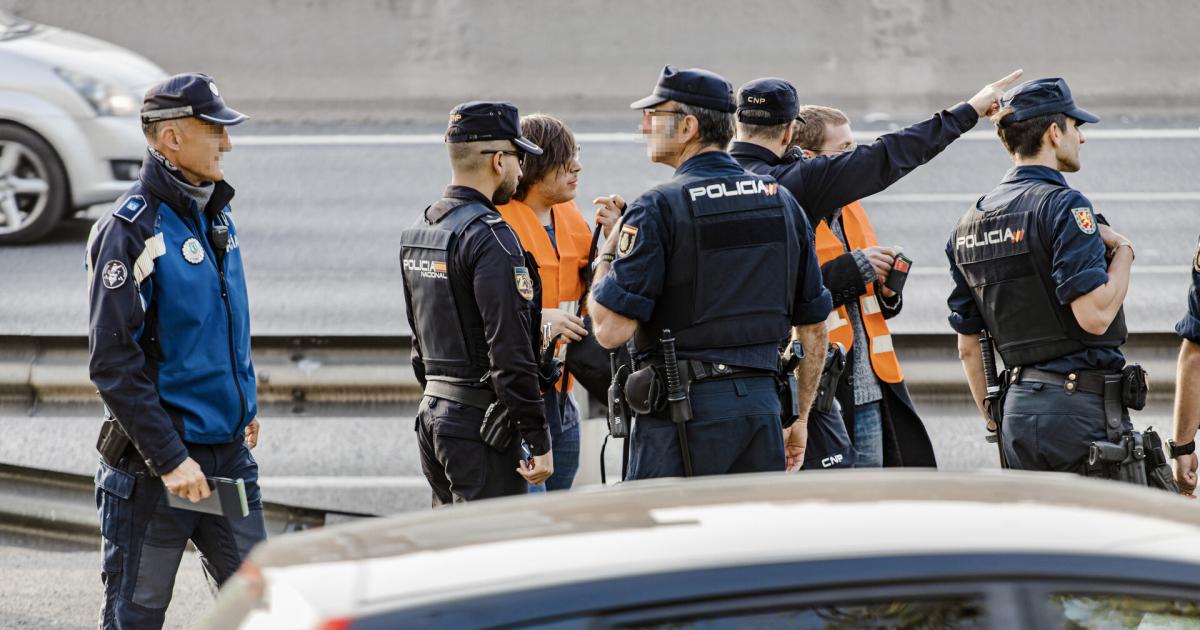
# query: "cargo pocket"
[[114, 493]]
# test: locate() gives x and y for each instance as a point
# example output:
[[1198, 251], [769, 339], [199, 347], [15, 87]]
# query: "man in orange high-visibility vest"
[[873, 402]]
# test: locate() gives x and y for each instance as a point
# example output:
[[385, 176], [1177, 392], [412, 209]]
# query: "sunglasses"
[[520, 155]]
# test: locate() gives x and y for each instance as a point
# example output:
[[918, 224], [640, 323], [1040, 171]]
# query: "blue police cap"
[[480, 121], [692, 86], [768, 101], [187, 95], [1040, 97]]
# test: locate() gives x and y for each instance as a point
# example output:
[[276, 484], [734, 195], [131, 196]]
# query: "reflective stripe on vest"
[[859, 235], [560, 270]]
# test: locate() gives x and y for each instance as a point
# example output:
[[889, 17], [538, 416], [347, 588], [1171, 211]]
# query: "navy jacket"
[[824, 184], [170, 321], [1189, 326]]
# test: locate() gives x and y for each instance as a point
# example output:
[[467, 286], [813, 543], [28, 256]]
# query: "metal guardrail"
[[341, 370], [62, 505]]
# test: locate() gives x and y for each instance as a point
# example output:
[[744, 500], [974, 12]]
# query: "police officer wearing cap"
[[1035, 266], [471, 296], [1187, 388], [724, 260], [170, 356]]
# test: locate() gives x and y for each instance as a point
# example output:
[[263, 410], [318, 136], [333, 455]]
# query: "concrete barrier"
[[411, 60]]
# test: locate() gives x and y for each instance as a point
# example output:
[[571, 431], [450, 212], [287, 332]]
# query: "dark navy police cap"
[[767, 101], [480, 121], [692, 86], [1040, 97], [187, 95]]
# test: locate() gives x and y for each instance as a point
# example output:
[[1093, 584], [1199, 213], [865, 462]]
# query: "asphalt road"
[[320, 225]]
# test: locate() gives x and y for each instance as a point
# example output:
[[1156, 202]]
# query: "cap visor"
[[224, 116], [525, 145], [1083, 115], [649, 101]]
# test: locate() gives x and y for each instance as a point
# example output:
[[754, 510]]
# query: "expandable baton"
[[992, 382], [677, 400]]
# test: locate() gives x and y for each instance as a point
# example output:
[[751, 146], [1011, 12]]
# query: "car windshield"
[[12, 27]]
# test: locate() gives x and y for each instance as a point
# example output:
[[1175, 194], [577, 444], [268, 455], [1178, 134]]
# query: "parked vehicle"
[[860, 549], [70, 136]]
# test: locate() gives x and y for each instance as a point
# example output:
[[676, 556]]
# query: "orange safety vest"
[[559, 270], [859, 235]]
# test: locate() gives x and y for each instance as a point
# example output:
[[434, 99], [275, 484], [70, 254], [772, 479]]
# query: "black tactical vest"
[[1006, 262], [446, 318], [732, 268]]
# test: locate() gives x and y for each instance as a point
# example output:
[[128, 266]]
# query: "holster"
[[113, 443], [646, 391], [789, 398], [1158, 471], [831, 373], [497, 427], [619, 413]]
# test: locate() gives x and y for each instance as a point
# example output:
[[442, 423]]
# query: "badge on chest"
[[193, 251]]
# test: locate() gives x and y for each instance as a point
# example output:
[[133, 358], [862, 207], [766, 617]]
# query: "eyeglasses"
[[647, 113], [835, 151], [520, 155]]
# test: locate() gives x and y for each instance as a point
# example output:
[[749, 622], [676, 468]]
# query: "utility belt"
[[1135, 457], [646, 388], [1127, 388], [477, 397]]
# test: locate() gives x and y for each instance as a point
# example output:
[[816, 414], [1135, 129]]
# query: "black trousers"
[[1046, 428], [457, 463]]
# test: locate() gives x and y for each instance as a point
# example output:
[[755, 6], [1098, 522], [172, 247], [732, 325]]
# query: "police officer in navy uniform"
[[723, 259], [170, 356], [1034, 265], [472, 303], [1187, 388]]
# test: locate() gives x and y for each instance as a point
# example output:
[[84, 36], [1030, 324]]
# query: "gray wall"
[[413, 59]]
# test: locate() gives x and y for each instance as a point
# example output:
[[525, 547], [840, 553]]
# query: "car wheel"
[[33, 186]]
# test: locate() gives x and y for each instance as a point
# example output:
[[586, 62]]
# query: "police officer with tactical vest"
[[170, 356], [1187, 388], [1035, 267], [707, 274], [473, 303]]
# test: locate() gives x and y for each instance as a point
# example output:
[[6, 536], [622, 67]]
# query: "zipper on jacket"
[[218, 262]]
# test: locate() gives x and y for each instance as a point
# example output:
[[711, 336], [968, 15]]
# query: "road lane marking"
[[340, 482], [970, 198], [394, 139]]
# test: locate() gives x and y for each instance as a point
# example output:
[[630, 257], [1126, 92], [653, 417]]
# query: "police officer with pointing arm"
[[723, 260], [472, 302], [1033, 264]]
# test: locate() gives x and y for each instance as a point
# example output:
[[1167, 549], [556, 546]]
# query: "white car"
[[876, 550], [70, 135]]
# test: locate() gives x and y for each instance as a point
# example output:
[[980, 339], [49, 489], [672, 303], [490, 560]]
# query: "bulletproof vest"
[[732, 265], [446, 318], [1005, 260]]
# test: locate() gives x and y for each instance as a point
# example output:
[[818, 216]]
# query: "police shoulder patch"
[[627, 240], [1084, 219], [132, 207], [524, 282], [114, 274]]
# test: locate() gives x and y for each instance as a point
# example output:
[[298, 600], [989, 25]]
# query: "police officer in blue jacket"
[[724, 259], [1034, 265], [472, 301], [1187, 388], [170, 355]]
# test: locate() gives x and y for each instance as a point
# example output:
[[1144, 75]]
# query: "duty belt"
[[1078, 381], [476, 397], [694, 370]]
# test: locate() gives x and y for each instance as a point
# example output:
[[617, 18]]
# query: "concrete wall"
[[413, 59]]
